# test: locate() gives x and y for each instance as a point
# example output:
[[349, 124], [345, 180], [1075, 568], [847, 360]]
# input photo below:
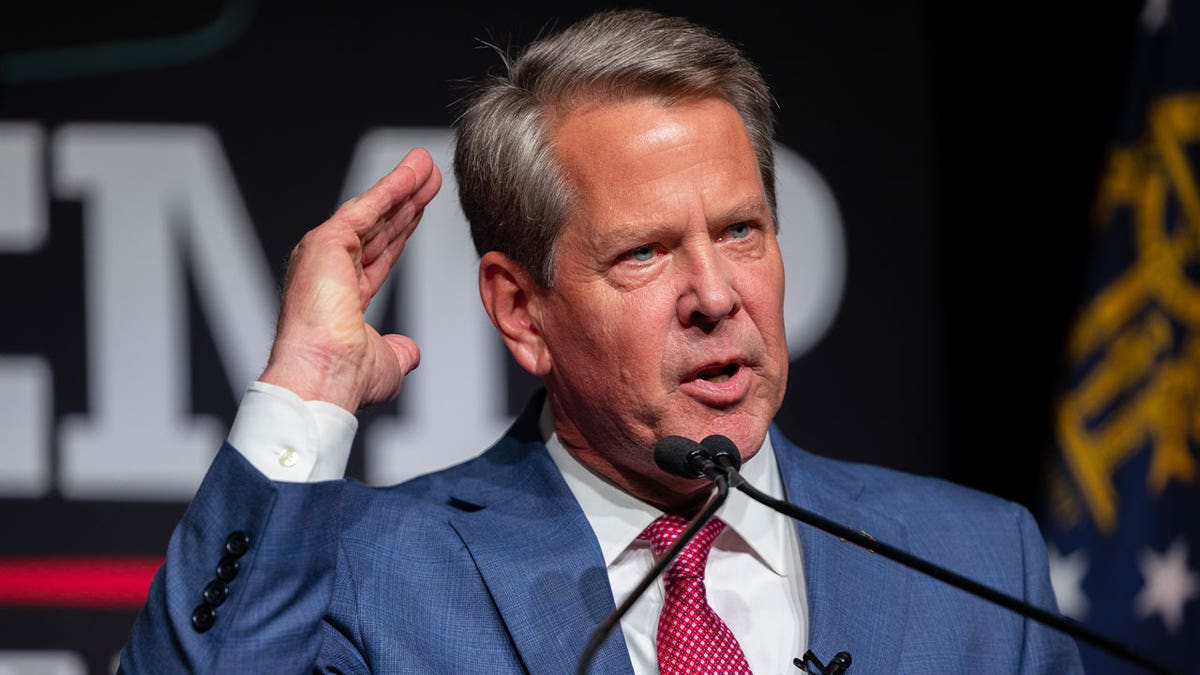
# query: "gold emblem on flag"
[[1137, 342]]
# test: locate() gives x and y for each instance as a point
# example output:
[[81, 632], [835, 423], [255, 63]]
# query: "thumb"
[[408, 354]]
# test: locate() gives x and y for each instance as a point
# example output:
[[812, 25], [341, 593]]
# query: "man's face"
[[666, 315]]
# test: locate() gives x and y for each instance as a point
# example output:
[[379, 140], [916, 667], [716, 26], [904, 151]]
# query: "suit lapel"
[[857, 600], [539, 558], [541, 562]]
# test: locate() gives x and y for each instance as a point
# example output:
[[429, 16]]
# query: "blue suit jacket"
[[491, 567]]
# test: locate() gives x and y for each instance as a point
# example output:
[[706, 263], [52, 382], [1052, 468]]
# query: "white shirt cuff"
[[292, 440]]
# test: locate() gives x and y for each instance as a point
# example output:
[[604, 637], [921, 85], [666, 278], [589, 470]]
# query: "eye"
[[642, 253], [739, 231]]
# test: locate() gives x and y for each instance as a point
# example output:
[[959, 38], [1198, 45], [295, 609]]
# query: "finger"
[[378, 263], [370, 210], [366, 212], [393, 195], [402, 223], [426, 191], [400, 228], [399, 221]]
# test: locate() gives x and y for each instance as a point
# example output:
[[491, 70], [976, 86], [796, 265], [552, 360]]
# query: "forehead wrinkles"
[[700, 187], [626, 196]]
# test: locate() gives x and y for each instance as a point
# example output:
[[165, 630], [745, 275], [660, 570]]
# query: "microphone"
[[837, 665], [682, 457], [685, 458], [723, 453]]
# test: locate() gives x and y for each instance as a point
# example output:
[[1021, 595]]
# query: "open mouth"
[[718, 374]]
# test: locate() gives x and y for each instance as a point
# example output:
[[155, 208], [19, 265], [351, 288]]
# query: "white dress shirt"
[[754, 577], [292, 440]]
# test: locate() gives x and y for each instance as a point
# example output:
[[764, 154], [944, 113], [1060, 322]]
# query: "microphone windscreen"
[[672, 454], [719, 446]]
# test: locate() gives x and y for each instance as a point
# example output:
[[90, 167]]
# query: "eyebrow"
[[755, 208], [635, 233], [749, 210]]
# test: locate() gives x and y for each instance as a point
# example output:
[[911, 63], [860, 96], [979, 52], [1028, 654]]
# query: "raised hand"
[[324, 349]]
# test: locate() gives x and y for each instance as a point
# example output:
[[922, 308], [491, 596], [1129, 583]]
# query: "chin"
[[751, 444], [746, 430]]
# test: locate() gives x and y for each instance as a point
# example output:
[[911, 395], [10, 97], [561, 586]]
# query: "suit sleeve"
[[248, 579], [1045, 649]]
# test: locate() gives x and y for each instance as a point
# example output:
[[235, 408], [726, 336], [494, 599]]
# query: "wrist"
[[315, 378]]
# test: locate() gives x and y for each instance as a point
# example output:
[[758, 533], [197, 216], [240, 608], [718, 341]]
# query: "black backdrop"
[[961, 141]]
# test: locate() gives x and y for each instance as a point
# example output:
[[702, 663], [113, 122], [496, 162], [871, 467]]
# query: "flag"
[[1123, 507]]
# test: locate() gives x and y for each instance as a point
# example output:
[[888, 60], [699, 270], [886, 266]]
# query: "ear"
[[513, 301]]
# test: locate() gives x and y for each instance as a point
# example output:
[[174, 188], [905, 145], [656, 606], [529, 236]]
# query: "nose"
[[708, 295]]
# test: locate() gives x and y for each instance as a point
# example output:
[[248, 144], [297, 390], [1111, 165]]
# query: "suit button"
[[237, 544], [227, 569], [203, 618], [215, 593]]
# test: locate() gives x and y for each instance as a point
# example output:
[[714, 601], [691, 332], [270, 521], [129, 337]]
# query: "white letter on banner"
[[29, 662], [151, 195], [23, 225], [26, 400], [26, 408]]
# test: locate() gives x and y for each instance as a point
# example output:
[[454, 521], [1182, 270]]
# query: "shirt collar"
[[618, 518]]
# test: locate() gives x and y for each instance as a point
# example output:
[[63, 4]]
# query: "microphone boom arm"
[[1063, 623]]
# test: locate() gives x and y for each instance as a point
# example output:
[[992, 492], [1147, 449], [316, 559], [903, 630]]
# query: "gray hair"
[[512, 189]]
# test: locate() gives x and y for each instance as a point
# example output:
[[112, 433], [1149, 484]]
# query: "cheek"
[[597, 330], [628, 324], [764, 300], [637, 335]]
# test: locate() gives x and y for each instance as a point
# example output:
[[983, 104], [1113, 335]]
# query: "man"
[[619, 184]]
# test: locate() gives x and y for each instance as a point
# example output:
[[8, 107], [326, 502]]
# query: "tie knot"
[[691, 560]]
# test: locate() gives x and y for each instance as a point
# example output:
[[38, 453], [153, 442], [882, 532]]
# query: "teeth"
[[718, 375]]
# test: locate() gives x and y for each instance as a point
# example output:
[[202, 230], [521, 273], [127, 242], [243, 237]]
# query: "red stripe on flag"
[[82, 582]]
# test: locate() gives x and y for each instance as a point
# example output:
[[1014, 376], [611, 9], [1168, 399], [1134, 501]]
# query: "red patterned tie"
[[692, 639]]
